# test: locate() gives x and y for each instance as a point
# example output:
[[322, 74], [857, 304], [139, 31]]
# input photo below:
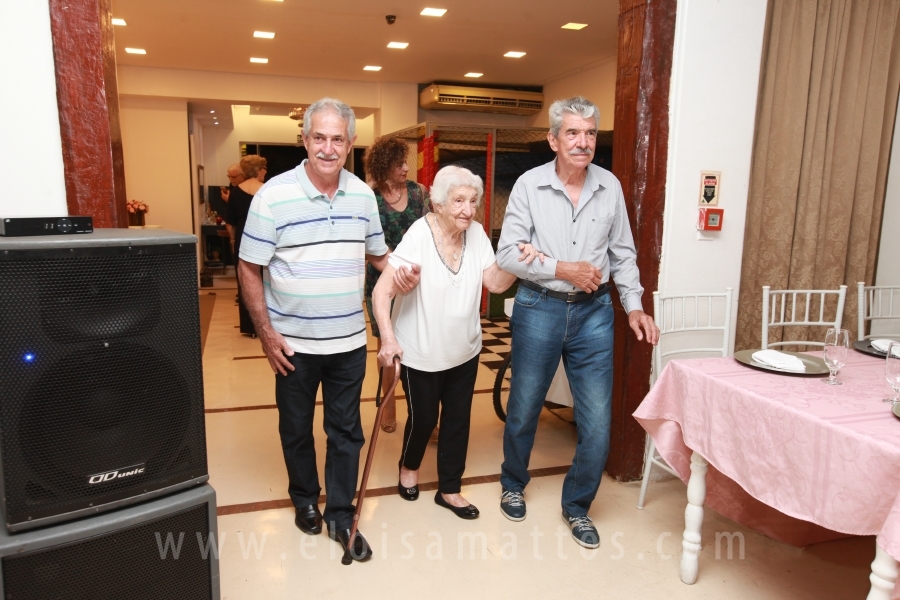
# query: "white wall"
[[223, 144], [31, 148], [712, 114], [394, 104], [398, 109], [155, 143], [596, 83]]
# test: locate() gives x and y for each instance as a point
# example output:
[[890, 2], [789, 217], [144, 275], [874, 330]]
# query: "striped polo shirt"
[[315, 253]]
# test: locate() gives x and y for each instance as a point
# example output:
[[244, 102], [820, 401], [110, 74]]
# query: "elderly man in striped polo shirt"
[[313, 228]]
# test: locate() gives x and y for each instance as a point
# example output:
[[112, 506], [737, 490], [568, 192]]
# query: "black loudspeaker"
[[159, 549], [101, 388]]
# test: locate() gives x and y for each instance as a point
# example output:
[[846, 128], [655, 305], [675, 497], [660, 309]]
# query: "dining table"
[[783, 454]]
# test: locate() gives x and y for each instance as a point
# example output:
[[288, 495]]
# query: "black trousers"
[[448, 394], [341, 376], [245, 323]]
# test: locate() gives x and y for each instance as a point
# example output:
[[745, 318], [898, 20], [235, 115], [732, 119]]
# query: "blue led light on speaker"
[[29, 357]]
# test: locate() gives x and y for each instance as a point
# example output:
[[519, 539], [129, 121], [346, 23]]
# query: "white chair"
[[780, 308], [679, 317], [877, 303]]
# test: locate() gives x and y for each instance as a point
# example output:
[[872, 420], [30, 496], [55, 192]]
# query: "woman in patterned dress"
[[400, 203]]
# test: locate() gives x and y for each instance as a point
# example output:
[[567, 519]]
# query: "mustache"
[[579, 151], [324, 156]]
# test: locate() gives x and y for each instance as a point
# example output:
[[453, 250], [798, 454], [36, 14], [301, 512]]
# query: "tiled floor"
[[422, 549]]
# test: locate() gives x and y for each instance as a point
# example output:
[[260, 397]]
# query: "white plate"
[[814, 364]]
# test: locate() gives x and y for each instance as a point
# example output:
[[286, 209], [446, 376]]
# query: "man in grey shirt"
[[574, 212]]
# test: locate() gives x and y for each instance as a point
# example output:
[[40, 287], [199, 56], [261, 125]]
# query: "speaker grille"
[[97, 306], [125, 563], [100, 373]]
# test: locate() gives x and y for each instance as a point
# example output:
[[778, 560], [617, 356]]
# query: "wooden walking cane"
[[348, 553]]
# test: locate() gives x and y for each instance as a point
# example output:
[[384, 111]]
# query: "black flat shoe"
[[309, 519], [463, 512], [408, 493], [361, 550]]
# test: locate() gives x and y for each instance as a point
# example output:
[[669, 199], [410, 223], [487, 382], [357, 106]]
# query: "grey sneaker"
[[512, 505], [583, 530]]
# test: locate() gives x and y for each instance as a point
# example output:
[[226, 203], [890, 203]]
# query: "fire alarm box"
[[710, 219]]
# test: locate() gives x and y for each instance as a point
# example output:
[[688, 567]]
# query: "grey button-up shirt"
[[540, 212]]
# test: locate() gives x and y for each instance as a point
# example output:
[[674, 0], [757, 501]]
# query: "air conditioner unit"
[[457, 97]]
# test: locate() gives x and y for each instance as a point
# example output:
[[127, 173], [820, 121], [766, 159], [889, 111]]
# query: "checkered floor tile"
[[495, 337]]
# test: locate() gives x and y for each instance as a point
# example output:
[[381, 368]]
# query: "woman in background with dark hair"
[[400, 203], [253, 167]]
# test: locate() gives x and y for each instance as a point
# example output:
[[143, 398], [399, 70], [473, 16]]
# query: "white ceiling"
[[337, 38]]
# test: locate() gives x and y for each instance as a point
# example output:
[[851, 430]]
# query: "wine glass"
[[837, 344], [892, 371]]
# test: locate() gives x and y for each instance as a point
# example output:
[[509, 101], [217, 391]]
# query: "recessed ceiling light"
[[514, 54], [575, 26], [371, 68], [398, 45], [264, 34], [474, 74], [216, 123], [433, 12], [135, 51], [119, 22], [261, 61]]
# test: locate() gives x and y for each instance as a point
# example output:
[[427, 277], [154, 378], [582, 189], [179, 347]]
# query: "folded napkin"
[[881, 345], [780, 360]]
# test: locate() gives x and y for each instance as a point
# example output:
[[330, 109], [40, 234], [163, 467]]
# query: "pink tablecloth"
[[789, 456]]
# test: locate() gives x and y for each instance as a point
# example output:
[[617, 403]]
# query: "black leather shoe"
[[309, 519], [408, 493], [463, 512], [361, 550]]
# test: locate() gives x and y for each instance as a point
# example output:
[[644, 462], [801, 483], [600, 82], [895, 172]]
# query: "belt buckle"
[[570, 297]]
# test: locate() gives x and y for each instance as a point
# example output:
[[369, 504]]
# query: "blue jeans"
[[543, 330]]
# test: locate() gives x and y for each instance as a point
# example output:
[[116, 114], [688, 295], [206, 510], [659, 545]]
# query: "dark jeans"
[[341, 376], [448, 393], [543, 329]]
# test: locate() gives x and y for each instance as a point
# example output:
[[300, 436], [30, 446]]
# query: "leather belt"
[[568, 296]]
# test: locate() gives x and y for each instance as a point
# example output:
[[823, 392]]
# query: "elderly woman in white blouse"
[[436, 329]]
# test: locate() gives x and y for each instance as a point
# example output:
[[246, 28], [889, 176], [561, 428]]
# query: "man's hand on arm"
[[638, 320], [273, 343], [582, 275], [529, 253], [407, 278]]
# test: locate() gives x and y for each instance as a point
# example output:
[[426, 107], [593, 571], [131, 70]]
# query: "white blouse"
[[438, 324]]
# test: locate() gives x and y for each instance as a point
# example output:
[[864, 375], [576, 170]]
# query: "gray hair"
[[577, 105], [449, 178], [334, 105]]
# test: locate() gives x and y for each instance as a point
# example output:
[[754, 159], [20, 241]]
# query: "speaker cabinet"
[[101, 388], [159, 549]]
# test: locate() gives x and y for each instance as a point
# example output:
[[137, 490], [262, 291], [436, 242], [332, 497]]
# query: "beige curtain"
[[828, 96]]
